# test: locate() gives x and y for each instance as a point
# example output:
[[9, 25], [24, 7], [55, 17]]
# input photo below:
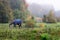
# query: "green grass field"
[[48, 32]]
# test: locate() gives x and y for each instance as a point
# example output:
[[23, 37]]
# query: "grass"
[[48, 32]]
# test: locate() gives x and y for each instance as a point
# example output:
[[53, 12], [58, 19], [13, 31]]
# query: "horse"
[[16, 22]]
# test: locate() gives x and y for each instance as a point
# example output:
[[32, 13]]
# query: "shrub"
[[45, 36], [41, 25], [30, 24]]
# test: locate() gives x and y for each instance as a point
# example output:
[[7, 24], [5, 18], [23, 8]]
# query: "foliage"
[[45, 36], [50, 32], [4, 10], [42, 25], [45, 18], [19, 14], [16, 4], [30, 23], [58, 19], [7, 9], [51, 17]]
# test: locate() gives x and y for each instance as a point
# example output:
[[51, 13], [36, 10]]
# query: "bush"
[[45, 36], [41, 25], [30, 24]]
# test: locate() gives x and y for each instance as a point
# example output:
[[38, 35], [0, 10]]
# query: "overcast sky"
[[55, 3]]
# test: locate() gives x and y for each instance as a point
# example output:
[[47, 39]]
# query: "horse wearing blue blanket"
[[16, 22]]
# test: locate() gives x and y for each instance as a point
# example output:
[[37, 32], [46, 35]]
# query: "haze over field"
[[55, 3], [41, 7]]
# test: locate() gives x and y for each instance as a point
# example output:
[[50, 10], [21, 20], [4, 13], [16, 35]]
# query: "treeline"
[[50, 18], [12, 9]]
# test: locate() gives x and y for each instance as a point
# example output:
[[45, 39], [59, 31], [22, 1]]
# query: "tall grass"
[[48, 32]]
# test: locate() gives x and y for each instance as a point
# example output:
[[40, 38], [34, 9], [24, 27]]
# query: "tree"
[[5, 11], [16, 4], [51, 17], [45, 18], [58, 19], [9, 7], [17, 14]]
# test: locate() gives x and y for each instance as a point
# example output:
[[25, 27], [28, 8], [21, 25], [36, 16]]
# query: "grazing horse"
[[16, 22]]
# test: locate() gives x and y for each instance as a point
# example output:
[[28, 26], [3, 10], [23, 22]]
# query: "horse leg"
[[19, 25], [14, 25]]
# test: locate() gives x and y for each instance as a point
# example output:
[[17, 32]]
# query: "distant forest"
[[12, 9]]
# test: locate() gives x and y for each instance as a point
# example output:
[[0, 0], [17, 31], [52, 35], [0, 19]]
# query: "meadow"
[[46, 32]]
